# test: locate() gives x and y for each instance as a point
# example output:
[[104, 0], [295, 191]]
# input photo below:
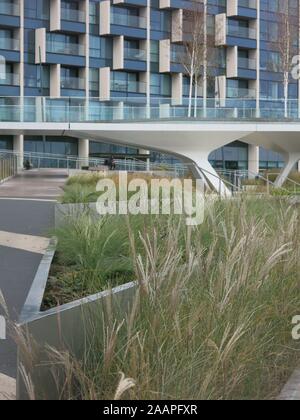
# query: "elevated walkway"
[[162, 126]]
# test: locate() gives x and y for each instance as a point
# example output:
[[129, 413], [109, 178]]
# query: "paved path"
[[35, 184], [25, 226]]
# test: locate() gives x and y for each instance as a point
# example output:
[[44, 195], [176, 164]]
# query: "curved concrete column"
[[290, 161], [285, 140]]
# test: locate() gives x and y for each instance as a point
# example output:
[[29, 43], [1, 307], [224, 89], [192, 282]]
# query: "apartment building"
[[128, 49]]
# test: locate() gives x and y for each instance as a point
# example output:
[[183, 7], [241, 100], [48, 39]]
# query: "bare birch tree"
[[287, 48], [198, 53]]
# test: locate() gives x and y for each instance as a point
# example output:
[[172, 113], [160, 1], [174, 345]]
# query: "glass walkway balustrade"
[[43, 109]]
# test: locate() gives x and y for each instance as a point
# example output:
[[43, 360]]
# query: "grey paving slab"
[[27, 217]]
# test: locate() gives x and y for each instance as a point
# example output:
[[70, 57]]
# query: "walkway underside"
[[287, 143], [191, 141]]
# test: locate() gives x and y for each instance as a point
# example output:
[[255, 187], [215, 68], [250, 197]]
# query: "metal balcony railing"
[[8, 166]]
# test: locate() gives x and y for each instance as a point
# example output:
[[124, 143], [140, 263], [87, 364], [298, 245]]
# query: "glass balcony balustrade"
[[75, 83], [241, 31], [72, 15], [82, 110], [59, 47], [240, 93], [128, 20], [128, 86], [249, 4], [178, 57], [9, 79], [135, 54], [9, 44], [246, 63], [9, 8]]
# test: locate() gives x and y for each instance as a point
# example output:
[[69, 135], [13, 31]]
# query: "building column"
[[19, 149], [253, 160], [146, 152], [83, 152]]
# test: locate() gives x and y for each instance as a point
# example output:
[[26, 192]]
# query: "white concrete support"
[[220, 29], [18, 144], [55, 80], [118, 52], [177, 25], [232, 8], [203, 169], [290, 163], [232, 62], [55, 15], [104, 16], [104, 83], [177, 88], [146, 152], [253, 160], [164, 56], [84, 151], [40, 45]]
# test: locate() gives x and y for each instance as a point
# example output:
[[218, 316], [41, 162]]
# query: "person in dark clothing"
[[111, 163], [27, 165]]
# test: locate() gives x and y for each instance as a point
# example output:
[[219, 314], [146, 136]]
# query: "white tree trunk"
[[196, 98], [191, 86], [286, 93]]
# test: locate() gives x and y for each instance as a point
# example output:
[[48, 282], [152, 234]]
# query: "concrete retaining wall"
[[67, 327]]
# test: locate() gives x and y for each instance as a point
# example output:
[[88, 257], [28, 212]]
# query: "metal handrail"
[[295, 183]]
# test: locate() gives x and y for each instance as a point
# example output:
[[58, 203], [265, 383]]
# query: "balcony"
[[115, 23], [178, 58], [72, 15], [240, 36], [240, 32], [9, 8], [136, 3], [72, 83], [176, 4], [10, 49], [128, 25], [58, 47], [128, 86], [10, 79], [128, 20], [72, 20], [246, 9], [135, 54], [240, 93], [9, 44], [67, 19], [246, 63]]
